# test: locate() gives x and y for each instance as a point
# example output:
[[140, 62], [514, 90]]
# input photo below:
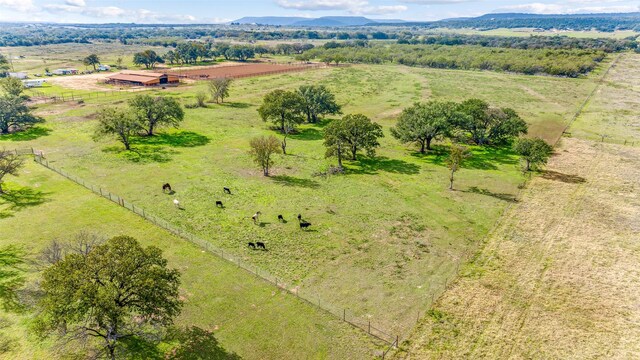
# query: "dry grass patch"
[[558, 278]]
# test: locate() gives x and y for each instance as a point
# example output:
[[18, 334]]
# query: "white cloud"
[[120, 14], [76, 2], [437, 2], [18, 5], [98, 12], [543, 8], [380, 10], [322, 4], [361, 7]]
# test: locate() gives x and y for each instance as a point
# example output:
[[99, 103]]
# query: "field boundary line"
[[588, 99], [234, 259], [523, 186]]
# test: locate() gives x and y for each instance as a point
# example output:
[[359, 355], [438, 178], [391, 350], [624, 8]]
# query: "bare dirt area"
[[558, 278], [241, 70], [82, 82]]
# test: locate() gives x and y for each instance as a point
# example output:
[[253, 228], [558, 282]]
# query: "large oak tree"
[[424, 122], [118, 290], [153, 112]]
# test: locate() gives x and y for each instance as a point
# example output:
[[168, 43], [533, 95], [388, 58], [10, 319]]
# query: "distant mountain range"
[[325, 21], [601, 21]]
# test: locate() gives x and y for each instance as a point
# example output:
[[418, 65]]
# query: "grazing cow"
[[280, 218], [261, 245], [299, 217], [256, 217], [227, 190], [166, 187], [304, 225], [176, 203], [219, 204], [252, 245]]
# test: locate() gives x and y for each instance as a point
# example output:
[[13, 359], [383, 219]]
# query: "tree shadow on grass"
[[236, 105], [565, 178], [197, 344], [287, 180], [178, 139], [372, 165], [483, 157], [141, 154], [500, 196], [136, 348], [19, 199], [308, 133], [26, 135]]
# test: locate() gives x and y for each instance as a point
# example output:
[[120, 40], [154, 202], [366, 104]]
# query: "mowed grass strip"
[[385, 237], [613, 112], [249, 316]]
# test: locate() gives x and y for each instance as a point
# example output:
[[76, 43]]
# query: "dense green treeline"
[[531, 42], [571, 63], [172, 36]]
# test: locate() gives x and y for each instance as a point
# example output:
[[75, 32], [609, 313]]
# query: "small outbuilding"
[[18, 75], [142, 78], [33, 83], [65, 72]]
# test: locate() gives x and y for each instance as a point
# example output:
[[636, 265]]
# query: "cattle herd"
[[166, 188]]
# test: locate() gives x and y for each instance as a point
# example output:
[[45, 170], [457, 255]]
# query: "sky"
[[215, 11]]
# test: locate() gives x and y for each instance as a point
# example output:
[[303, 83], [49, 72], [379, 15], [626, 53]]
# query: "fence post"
[[344, 314]]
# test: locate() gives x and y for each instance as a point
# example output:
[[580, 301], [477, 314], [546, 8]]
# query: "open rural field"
[[613, 110], [248, 316], [384, 255], [35, 59], [558, 276]]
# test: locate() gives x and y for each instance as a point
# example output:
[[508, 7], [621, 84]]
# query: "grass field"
[[249, 317], [35, 59], [557, 278], [386, 236], [612, 111]]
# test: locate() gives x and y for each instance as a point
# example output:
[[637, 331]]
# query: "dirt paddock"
[[241, 70]]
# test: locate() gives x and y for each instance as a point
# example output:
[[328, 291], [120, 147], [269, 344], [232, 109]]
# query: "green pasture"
[[248, 316], [386, 236]]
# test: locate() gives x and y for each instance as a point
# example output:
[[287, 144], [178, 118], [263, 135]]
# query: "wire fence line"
[[308, 296], [39, 96]]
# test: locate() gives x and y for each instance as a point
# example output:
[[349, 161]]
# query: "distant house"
[[65, 72], [18, 75], [142, 78], [103, 67], [33, 83]]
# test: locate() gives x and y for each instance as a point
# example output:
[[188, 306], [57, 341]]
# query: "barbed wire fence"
[[392, 341]]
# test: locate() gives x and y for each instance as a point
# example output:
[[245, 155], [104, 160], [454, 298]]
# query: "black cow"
[[304, 224], [227, 190], [261, 245], [252, 245], [166, 187], [280, 218], [299, 217], [219, 204]]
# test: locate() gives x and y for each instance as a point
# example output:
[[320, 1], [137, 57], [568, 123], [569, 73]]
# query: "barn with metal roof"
[[142, 78]]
